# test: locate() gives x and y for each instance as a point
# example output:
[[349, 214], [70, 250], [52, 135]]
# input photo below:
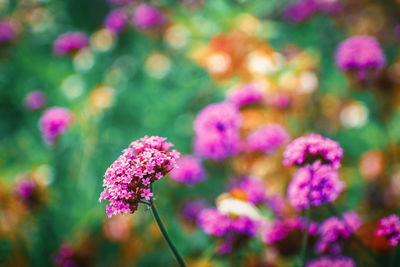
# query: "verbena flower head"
[[189, 172], [390, 228], [35, 100], [360, 53], [65, 256], [325, 186], [309, 149], [248, 94], [217, 131], [335, 231], [25, 189], [54, 122], [7, 31], [116, 20], [329, 6], [267, 139], [147, 16], [128, 179], [70, 42], [332, 262], [252, 189], [213, 222], [301, 10], [233, 230], [280, 229]]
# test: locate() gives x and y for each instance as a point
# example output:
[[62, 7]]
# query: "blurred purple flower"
[[244, 225], [217, 131], [213, 222], [247, 94], [189, 171], [25, 189], [301, 10], [334, 231], [308, 149], [192, 209], [360, 53], [325, 186], [70, 42], [35, 100], [126, 181], [54, 122], [332, 262], [281, 228], [147, 16], [116, 20], [390, 228], [329, 6], [267, 139], [254, 189], [234, 231], [8, 31], [64, 256]]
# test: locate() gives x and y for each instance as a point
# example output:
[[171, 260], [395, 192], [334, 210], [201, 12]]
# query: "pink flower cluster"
[[217, 131], [332, 262], [246, 95], [308, 149], [189, 172], [390, 228], [7, 31], [215, 223], [116, 20], [303, 9], [25, 189], [129, 178], [267, 139], [360, 53], [147, 16], [314, 184], [54, 122], [65, 256], [334, 231], [252, 187], [281, 228], [70, 42]]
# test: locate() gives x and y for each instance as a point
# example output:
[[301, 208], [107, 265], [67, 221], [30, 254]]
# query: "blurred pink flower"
[[70, 42], [54, 122]]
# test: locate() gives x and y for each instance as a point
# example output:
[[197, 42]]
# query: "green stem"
[[393, 257], [305, 237], [353, 235], [165, 234]]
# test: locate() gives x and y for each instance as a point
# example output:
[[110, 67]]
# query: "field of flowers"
[[200, 133]]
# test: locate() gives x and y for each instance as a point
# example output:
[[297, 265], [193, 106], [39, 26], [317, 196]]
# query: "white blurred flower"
[[233, 206], [354, 115]]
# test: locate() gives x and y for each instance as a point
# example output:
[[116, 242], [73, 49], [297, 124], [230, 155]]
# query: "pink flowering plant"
[[128, 181]]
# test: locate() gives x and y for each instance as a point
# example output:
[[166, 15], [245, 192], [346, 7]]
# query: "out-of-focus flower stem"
[[354, 235], [308, 214], [394, 256], [305, 238], [165, 234]]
